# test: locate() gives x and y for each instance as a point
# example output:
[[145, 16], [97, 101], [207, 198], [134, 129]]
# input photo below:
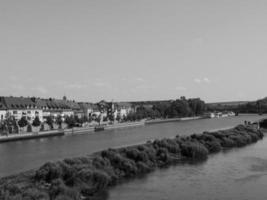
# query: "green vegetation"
[[36, 122], [259, 106], [86, 177], [168, 109], [23, 122]]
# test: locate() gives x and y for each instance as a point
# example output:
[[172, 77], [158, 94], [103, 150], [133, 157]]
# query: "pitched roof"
[[86, 105], [123, 105], [2, 106], [18, 103]]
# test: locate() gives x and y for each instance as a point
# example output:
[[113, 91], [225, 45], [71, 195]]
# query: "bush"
[[49, 121], [36, 122], [169, 144], [42, 127], [59, 121], [95, 181], [227, 142], [48, 172], [29, 128], [70, 121], [213, 146], [194, 150], [23, 122], [58, 190]]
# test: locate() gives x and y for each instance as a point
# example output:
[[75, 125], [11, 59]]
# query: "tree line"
[[169, 109]]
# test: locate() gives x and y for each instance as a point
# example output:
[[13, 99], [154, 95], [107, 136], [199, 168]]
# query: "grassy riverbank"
[[87, 177]]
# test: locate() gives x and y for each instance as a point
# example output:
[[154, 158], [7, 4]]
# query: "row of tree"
[[259, 106], [169, 109]]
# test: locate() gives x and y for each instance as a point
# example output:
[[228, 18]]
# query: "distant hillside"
[[229, 103]]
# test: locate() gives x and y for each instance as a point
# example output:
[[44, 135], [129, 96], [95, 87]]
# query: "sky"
[[124, 50]]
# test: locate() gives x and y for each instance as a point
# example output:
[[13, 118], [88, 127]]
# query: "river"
[[24, 155]]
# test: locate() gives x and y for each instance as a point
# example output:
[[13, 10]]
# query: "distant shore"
[[86, 130], [91, 129], [157, 121]]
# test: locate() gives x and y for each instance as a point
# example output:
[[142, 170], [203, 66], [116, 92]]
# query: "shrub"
[[49, 121], [36, 121], [126, 166], [29, 128], [95, 181], [34, 193], [194, 150], [169, 144], [23, 122], [70, 121], [227, 142], [239, 140], [42, 127], [213, 146], [59, 121], [58, 190], [48, 172]]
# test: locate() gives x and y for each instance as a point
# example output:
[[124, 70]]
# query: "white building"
[[3, 111], [122, 109], [19, 107]]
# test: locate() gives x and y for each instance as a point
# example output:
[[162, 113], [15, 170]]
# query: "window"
[[29, 112], [15, 112]]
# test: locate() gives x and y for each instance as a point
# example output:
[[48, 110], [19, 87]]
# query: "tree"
[[23, 122], [36, 121], [70, 121], [49, 121], [118, 118], [59, 121]]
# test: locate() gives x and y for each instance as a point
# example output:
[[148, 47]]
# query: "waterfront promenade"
[[88, 130]]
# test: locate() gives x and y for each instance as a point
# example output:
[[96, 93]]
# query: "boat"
[[99, 128]]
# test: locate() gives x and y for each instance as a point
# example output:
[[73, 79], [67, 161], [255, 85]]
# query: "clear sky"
[[134, 50]]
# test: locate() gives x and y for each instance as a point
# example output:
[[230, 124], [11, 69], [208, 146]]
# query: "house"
[[3, 111], [122, 109], [54, 107], [19, 107], [86, 108]]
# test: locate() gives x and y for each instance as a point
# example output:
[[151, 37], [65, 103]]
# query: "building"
[[55, 107], [86, 108], [19, 107], [122, 109], [3, 111]]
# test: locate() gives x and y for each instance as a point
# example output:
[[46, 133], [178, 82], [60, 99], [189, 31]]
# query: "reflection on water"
[[23, 155], [237, 174]]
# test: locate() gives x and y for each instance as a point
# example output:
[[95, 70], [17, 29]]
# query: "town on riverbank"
[[20, 116], [25, 118]]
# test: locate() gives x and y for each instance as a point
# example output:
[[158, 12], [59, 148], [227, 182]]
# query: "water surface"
[[239, 174], [24, 155]]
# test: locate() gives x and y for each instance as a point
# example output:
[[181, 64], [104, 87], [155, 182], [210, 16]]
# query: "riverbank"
[[157, 121], [27, 136], [61, 132], [91, 129], [87, 177]]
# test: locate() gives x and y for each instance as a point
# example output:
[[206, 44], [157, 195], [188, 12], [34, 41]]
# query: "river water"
[[237, 174], [24, 155]]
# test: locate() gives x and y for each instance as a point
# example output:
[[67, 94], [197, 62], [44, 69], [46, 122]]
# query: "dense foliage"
[[259, 106], [169, 109], [36, 121], [23, 122], [86, 177]]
